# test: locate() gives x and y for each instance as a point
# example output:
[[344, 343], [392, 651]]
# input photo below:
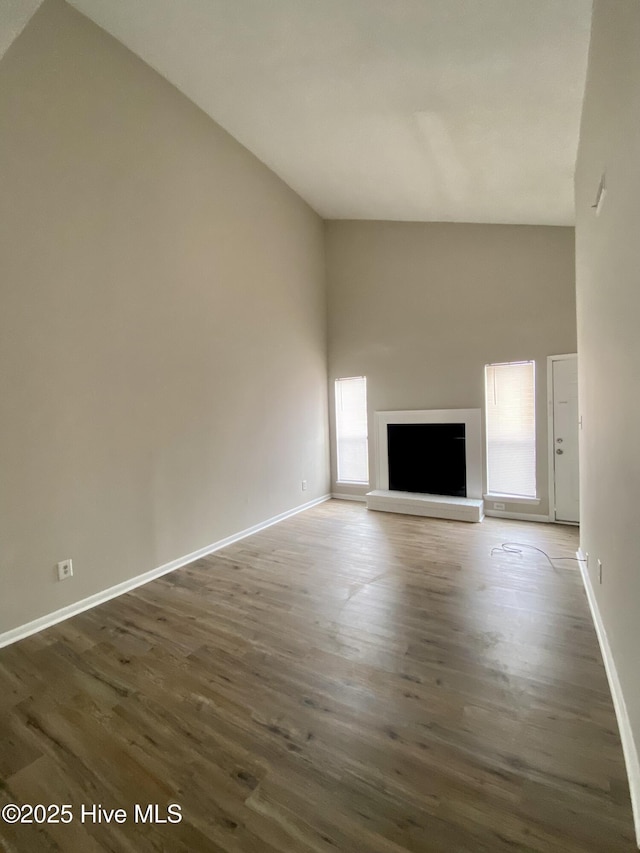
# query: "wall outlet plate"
[[304, 485], [498, 505], [65, 570]]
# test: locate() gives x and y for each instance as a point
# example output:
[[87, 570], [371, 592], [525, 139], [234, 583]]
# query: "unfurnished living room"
[[319, 405]]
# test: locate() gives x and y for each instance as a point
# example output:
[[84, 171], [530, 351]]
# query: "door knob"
[[559, 452], [559, 440]]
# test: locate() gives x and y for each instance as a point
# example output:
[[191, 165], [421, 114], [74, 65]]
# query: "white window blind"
[[351, 430], [511, 429]]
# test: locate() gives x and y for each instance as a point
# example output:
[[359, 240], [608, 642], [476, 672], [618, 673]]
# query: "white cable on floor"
[[516, 548]]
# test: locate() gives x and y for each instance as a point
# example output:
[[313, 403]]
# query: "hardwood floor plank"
[[343, 681]]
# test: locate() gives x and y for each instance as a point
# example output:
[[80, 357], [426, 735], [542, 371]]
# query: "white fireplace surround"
[[463, 509], [473, 441]]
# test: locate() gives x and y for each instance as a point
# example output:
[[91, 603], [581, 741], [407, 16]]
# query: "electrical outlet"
[[65, 570], [497, 505], [599, 571], [304, 485]]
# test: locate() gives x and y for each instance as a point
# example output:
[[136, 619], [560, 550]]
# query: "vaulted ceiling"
[[14, 16], [432, 110]]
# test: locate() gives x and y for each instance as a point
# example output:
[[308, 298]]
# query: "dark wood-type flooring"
[[343, 681]]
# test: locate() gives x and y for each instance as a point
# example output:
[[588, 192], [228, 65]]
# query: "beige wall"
[[162, 332], [608, 291], [421, 308]]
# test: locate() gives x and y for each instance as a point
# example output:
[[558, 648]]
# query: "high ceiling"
[[433, 110], [14, 16]]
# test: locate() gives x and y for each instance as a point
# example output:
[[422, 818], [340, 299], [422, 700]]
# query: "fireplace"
[[429, 463], [427, 458]]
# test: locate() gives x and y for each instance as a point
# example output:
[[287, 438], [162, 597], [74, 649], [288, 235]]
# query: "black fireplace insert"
[[427, 458]]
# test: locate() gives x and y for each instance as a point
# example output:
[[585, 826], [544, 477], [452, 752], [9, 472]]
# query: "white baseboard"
[[22, 631], [518, 516], [341, 497], [631, 757]]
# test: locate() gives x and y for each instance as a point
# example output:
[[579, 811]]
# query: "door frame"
[[550, 443]]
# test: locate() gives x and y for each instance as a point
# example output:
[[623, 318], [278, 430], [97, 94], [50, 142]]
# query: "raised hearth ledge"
[[433, 506]]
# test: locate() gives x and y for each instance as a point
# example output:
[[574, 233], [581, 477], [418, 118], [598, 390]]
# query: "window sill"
[[511, 499]]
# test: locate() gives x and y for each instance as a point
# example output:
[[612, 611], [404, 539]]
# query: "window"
[[351, 430], [511, 429]]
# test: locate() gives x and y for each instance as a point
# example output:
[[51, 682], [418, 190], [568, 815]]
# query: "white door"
[[565, 491]]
